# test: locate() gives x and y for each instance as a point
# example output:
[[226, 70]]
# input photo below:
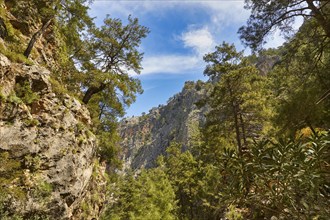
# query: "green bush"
[[283, 178], [24, 92]]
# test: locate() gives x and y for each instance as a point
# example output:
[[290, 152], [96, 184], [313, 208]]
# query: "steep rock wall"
[[47, 149], [148, 136]]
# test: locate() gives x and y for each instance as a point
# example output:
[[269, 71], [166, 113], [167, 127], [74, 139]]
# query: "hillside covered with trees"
[[261, 151]]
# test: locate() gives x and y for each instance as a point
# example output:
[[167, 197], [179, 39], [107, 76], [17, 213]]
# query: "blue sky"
[[181, 33]]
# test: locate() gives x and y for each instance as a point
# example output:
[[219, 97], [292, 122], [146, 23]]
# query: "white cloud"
[[226, 13], [171, 64], [200, 40], [220, 12], [274, 40]]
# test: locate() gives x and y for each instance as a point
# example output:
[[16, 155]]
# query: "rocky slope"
[[147, 137], [48, 164]]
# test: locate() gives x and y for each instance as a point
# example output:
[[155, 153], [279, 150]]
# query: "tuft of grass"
[[14, 56], [12, 98], [58, 88], [43, 190]]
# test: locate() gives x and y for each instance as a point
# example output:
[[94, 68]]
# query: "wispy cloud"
[[170, 64], [200, 40], [226, 13]]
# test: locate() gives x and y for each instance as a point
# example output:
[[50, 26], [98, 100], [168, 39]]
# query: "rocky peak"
[[266, 63]]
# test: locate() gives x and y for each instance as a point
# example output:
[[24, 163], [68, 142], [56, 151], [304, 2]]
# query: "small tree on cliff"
[[115, 52], [109, 54], [66, 13]]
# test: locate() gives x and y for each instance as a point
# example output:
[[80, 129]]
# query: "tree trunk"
[[35, 37], [244, 148], [91, 91], [235, 111], [309, 124], [237, 131]]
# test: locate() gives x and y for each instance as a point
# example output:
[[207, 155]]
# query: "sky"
[[181, 33]]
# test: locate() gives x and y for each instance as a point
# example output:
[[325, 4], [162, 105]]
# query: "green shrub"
[[24, 92], [32, 162], [31, 122], [44, 189], [12, 98], [58, 88]]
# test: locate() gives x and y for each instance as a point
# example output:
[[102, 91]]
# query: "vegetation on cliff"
[[262, 151], [48, 149], [89, 62]]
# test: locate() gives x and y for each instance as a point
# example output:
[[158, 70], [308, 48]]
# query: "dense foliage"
[[265, 150], [149, 195]]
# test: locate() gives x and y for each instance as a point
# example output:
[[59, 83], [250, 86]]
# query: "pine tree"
[[237, 103], [183, 168], [67, 13], [299, 82]]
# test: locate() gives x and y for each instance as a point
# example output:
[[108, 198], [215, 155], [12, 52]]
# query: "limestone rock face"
[[49, 140], [148, 136]]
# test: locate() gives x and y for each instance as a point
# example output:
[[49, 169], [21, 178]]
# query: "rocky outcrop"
[[48, 148], [266, 63], [147, 137]]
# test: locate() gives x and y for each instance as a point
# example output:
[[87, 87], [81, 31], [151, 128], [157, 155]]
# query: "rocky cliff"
[[147, 137], [48, 166], [48, 163]]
